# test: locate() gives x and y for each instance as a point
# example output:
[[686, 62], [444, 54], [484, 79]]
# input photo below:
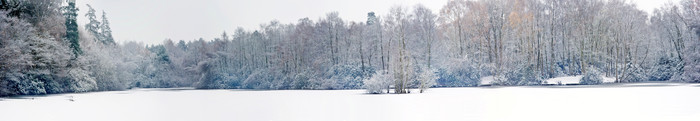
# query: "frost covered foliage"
[[519, 75], [592, 77], [158, 70], [427, 79], [691, 70], [39, 63], [332, 53], [218, 72], [213, 78], [40, 55], [82, 81], [45, 51], [115, 67], [34, 62], [264, 79], [345, 77], [378, 83], [664, 68], [460, 73], [635, 74]]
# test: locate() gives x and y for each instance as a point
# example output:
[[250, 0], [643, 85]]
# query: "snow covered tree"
[[106, 31], [397, 23], [424, 31], [40, 63], [691, 71], [70, 12], [378, 83], [518, 42], [672, 35], [452, 20], [80, 78], [42, 54], [691, 58], [427, 79], [93, 25]]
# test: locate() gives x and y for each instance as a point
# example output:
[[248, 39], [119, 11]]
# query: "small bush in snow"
[[427, 79], [591, 77], [378, 82], [636, 74]]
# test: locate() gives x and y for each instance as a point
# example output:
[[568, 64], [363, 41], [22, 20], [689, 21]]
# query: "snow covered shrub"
[[459, 73], [345, 77], [210, 78], [301, 81], [356, 82], [519, 75], [264, 79], [31, 86], [530, 77], [692, 73], [378, 83], [330, 84], [635, 74], [560, 69], [427, 79], [591, 77], [254, 81], [315, 83], [664, 68], [82, 81]]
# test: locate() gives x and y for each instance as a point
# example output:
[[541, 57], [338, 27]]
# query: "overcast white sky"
[[152, 21]]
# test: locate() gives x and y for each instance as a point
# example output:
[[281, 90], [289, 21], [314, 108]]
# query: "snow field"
[[633, 102]]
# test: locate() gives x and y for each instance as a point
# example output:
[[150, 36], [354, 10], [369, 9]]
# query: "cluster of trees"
[[518, 42], [522, 42], [44, 51], [329, 53]]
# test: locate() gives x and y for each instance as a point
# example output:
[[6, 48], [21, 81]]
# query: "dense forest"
[[43, 50]]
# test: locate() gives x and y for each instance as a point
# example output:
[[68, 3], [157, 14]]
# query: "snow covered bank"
[[444, 104], [486, 80], [559, 80], [574, 80]]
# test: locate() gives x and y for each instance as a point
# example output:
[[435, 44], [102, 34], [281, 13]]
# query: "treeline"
[[518, 42]]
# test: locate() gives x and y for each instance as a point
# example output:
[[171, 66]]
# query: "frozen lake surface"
[[629, 102]]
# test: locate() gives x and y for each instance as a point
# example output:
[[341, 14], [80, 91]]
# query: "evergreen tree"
[[70, 12], [106, 30], [371, 18], [93, 26]]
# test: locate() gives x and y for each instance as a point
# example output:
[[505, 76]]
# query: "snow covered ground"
[[629, 102], [574, 80], [486, 80], [563, 80]]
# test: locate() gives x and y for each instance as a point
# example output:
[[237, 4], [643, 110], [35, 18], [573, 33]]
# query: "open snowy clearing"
[[637, 102]]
